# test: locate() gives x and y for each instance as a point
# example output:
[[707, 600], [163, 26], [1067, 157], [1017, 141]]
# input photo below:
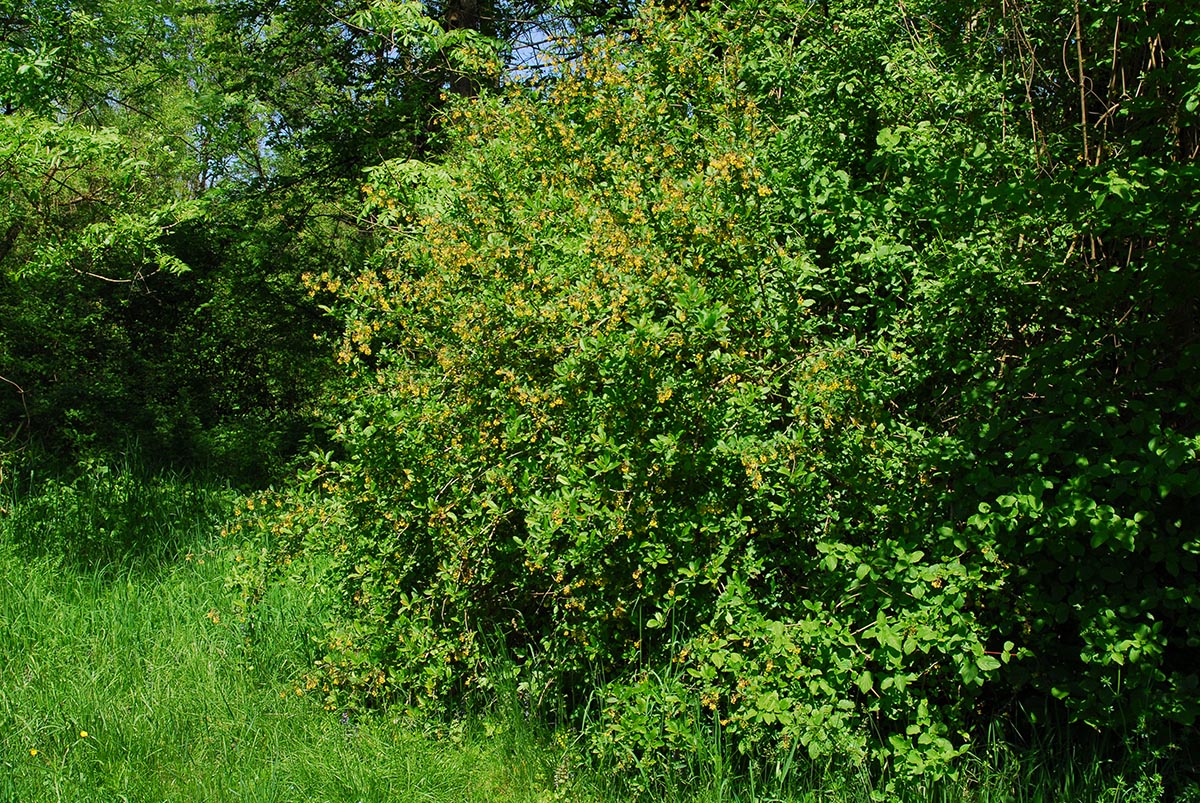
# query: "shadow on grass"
[[111, 519]]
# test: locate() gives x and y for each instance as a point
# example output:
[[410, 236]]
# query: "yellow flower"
[[83, 734], [33, 751]]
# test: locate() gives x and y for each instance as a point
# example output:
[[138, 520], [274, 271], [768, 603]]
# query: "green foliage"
[[167, 173], [601, 405], [84, 224], [141, 303], [329, 89], [107, 517], [135, 315], [179, 698], [68, 58], [821, 378]]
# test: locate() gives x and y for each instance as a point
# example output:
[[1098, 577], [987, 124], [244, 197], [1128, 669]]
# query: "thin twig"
[[24, 408], [1082, 83]]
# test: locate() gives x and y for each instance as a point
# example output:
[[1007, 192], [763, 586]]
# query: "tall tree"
[[144, 297]]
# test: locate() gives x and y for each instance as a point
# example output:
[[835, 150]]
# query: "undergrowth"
[[131, 678]]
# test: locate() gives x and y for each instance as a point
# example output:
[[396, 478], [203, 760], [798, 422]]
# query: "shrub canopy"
[[821, 375]]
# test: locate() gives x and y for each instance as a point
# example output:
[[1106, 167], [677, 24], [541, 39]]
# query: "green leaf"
[[987, 663]]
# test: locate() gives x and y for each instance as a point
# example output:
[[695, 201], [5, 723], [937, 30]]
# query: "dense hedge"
[[804, 375]]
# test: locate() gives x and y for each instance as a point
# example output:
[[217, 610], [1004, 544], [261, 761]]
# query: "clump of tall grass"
[[110, 515], [997, 773]]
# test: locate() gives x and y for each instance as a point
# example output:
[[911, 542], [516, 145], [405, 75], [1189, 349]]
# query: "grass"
[[123, 678], [175, 701]]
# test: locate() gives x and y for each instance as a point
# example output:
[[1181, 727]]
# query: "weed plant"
[[1054, 763]]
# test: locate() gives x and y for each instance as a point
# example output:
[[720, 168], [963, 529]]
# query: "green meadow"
[[125, 677]]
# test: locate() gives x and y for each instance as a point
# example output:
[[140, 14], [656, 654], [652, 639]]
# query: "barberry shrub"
[[776, 372]]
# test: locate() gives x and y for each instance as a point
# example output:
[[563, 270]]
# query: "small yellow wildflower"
[[33, 751], [83, 734]]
